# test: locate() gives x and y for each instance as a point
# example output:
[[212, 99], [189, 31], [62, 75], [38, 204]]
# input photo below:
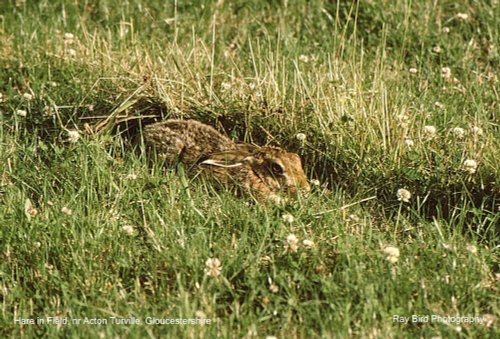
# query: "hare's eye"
[[276, 169]]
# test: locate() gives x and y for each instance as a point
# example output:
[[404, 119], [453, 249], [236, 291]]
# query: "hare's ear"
[[220, 163]]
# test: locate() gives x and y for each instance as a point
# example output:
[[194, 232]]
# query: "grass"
[[91, 229]]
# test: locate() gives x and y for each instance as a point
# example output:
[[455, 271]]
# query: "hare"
[[264, 171]]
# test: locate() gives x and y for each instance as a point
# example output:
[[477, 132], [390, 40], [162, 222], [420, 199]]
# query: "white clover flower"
[[413, 70], [68, 36], [274, 288], [73, 136], [353, 218], [200, 314], [430, 131], [463, 16], [436, 49], [458, 132], [403, 195], [37, 244], [288, 218], [445, 30], [304, 58], [308, 243], [300, 137], [489, 320], [471, 248], [477, 130], [315, 182], [128, 230], [27, 96], [292, 243], [409, 142], [265, 260], [403, 120], [392, 254], [66, 211], [470, 166], [213, 267], [276, 199], [446, 72], [48, 111], [226, 86], [21, 112], [29, 210]]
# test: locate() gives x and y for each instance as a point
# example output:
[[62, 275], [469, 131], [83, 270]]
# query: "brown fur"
[[263, 171]]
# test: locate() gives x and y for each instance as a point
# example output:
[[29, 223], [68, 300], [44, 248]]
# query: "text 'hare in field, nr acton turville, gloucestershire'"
[[263, 171]]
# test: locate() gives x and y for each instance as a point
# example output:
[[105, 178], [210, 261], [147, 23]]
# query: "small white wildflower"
[[409, 142], [68, 37], [128, 230], [292, 243], [463, 16], [1, 97], [29, 210], [73, 136], [315, 182], [458, 132], [403, 120], [445, 30], [271, 337], [288, 218], [477, 130], [66, 211], [37, 244], [413, 70], [21, 112], [308, 243], [265, 260], [430, 131], [131, 176], [353, 218], [273, 288], [52, 83], [470, 166], [276, 199], [438, 104], [403, 195], [300, 136], [489, 320], [304, 58], [226, 86], [252, 86], [200, 315], [27, 96], [436, 49], [48, 111], [213, 267], [392, 254], [471, 248], [72, 52], [446, 72]]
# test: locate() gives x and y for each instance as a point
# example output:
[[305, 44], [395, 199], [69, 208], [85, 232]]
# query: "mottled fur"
[[185, 141], [262, 170]]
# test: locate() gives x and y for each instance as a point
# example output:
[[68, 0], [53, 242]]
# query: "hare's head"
[[265, 170]]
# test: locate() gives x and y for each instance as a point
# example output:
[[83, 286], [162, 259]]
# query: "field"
[[393, 107]]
